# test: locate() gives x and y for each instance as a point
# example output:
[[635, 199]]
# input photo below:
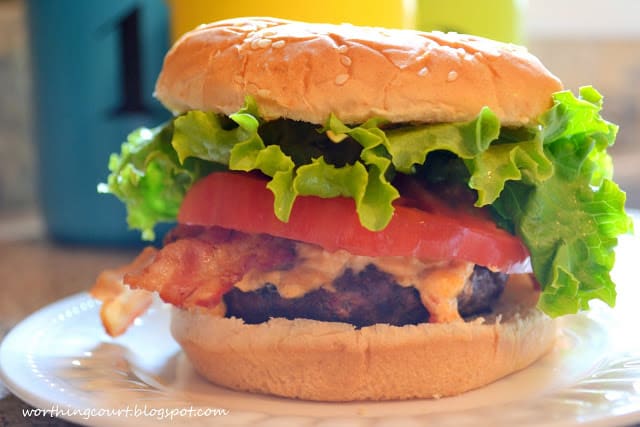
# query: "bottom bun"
[[326, 361]]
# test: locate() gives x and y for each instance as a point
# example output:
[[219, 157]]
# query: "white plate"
[[60, 360]]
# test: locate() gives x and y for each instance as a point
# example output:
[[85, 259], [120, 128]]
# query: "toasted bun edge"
[[306, 72]]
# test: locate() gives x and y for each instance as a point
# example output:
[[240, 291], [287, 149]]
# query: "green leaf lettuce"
[[550, 184]]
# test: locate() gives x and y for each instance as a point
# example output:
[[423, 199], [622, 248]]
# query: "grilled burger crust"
[[332, 361], [305, 72], [361, 298]]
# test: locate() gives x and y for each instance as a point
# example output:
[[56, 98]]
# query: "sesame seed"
[[278, 44], [343, 48], [452, 76], [248, 27], [263, 43], [341, 79], [264, 92], [423, 71], [345, 60]]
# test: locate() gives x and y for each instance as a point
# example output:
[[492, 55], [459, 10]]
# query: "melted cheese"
[[439, 289], [315, 268], [438, 283]]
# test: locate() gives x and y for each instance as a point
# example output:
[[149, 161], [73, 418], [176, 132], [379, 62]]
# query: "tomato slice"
[[241, 201]]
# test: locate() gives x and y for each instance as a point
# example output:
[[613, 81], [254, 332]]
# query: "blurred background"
[[581, 41], [77, 75]]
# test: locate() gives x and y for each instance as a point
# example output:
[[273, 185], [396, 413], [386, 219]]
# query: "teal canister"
[[94, 65]]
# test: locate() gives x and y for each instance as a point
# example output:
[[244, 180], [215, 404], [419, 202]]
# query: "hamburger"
[[363, 213]]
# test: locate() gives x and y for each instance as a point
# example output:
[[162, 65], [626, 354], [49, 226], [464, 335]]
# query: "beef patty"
[[362, 299]]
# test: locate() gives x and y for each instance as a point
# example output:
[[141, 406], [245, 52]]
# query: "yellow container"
[[187, 14], [496, 19]]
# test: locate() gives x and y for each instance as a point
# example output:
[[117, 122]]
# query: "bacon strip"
[[198, 271], [121, 305]]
